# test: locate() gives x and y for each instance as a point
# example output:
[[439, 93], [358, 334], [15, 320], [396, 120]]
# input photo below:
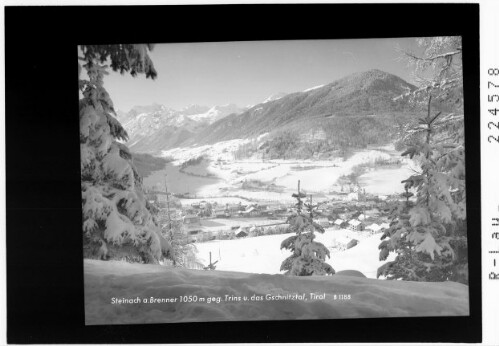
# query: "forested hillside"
[[363, 94]]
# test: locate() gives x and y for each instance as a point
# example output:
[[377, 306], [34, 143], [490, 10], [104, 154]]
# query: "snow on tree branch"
[[116, 218]]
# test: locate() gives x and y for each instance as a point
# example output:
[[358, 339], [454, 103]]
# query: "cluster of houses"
[[368, 220], [215, 210], [357, 225], [193, 214], [355, 211], [196, 234]]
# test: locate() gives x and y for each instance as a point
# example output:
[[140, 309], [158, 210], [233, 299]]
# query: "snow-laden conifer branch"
[[116, 218], [308, 256], [433, 57], [427, 233]]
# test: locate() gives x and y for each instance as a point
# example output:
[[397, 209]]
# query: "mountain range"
[[155, 127], [371, 93]]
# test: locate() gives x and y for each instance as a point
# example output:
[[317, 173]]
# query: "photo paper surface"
[[273, 180]]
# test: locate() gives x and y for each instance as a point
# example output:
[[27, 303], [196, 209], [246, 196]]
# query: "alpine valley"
[[353, 190], [333, 112]]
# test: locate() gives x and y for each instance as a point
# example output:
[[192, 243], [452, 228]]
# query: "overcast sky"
[[246, 73]]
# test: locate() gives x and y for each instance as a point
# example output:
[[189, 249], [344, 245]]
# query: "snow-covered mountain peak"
[[217, 112], [156, 127], [194, 109]]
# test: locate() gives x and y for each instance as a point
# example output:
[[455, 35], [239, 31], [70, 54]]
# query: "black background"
[[44, 249]]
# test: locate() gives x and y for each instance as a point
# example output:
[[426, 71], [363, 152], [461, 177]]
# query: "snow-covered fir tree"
[[117, 223], [308, 256], [183, 253], [429, 234]]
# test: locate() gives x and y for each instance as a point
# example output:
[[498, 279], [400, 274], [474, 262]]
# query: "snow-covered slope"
[[361, 94], [230, 296], [160, 128], [319, 177], [261, 255]]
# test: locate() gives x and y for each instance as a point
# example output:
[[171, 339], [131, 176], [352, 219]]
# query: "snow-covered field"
[[263, 255], [381, 181], [219, 174], [123, 293]]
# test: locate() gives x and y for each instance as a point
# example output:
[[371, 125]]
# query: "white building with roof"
[[374, 228], [338, 222], [355, 225]]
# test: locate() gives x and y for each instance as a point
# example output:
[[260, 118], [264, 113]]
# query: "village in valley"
[[207, 219], [234, 209]]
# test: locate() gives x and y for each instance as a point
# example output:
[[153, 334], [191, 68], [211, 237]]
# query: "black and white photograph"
[[250, 173], [273, 180]]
